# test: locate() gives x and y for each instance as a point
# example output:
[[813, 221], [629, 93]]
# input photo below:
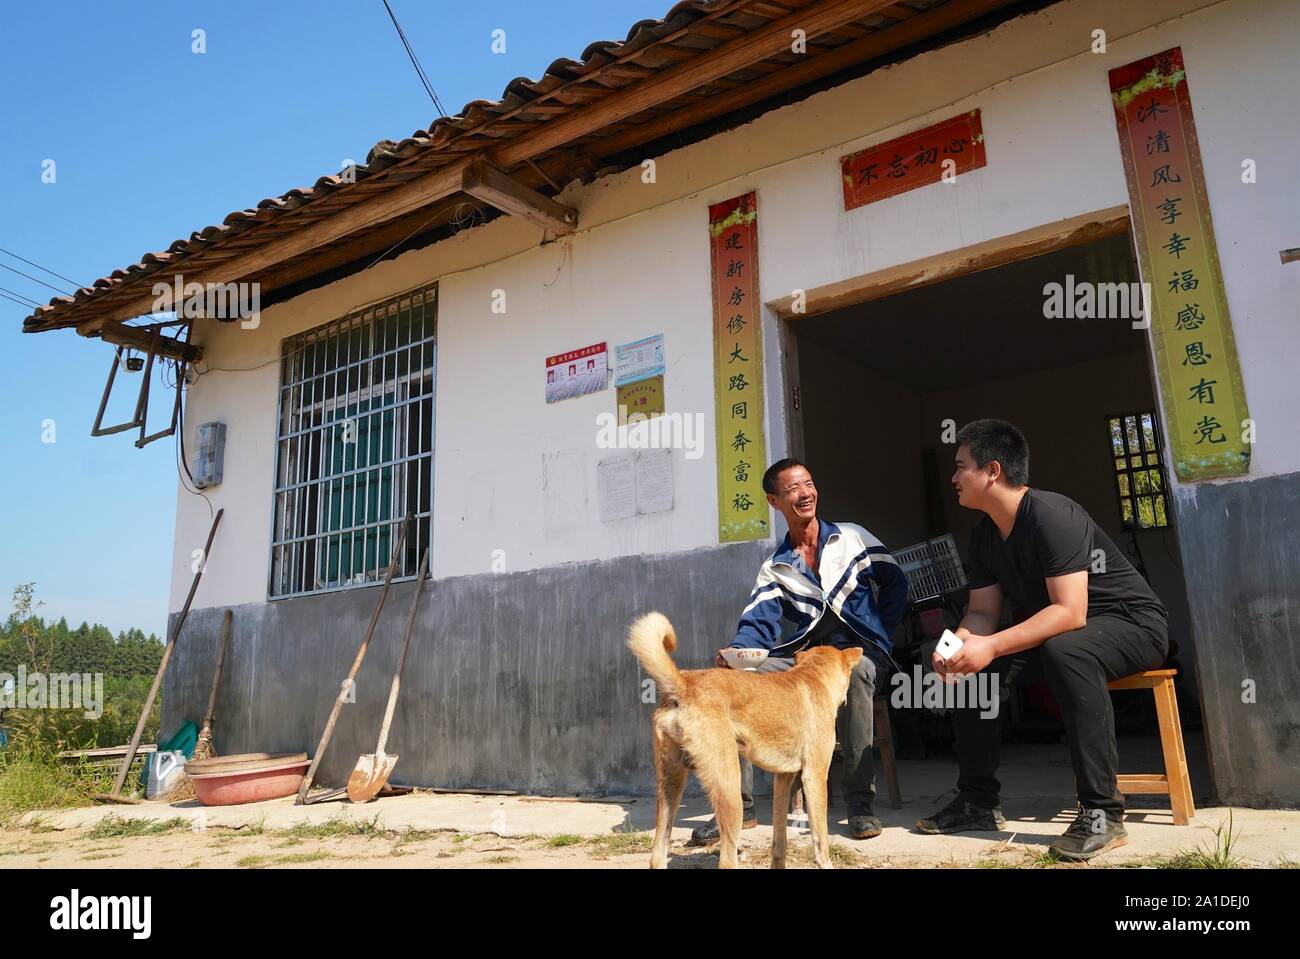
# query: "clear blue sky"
[[152, 142]]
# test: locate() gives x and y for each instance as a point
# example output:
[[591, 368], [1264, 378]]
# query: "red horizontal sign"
[[575, 354], [914, 160]]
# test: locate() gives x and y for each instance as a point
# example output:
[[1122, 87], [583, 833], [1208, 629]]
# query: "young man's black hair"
[[999, 440]]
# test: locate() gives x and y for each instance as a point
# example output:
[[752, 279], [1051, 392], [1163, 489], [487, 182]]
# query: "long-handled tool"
[[203, 748], [116, 795], [346, 687], [372, 771]]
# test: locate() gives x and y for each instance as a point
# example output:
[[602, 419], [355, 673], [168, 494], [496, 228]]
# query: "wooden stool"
[[1174, 781], [883, 738]]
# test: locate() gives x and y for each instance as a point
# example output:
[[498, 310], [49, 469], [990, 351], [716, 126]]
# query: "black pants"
[[1076, 665], [853, 723]]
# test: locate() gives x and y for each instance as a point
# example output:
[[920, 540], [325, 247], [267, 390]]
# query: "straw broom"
[[203, 749]]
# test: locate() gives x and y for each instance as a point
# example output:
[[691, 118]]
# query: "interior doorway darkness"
[[882, 382]]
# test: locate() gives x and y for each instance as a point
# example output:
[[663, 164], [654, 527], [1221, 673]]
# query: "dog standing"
[[783, 722]]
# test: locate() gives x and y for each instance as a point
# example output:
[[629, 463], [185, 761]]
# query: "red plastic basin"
[[245, 778]]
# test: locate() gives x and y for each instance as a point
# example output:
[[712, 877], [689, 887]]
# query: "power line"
[[45, 269], [20, 296], [24, 304], [34, 279], [415, 62]]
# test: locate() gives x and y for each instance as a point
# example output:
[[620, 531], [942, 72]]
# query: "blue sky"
[[152, 141]]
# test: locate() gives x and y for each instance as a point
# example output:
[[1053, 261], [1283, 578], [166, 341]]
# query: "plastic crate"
[[933, 568]]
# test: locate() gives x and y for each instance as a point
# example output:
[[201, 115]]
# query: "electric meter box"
[[210, 456]]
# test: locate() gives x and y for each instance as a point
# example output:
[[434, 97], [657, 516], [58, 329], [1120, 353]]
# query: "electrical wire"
[[18, 298], [35, 280], [44, 269], [415, 62]]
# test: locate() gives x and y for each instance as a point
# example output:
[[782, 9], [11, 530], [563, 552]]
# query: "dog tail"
[[652, 641]]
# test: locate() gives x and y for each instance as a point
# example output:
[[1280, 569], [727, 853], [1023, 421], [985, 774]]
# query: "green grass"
[[620, 843], [501, 860], [31, 780], [305, 856], [114, 826], [253, 862], [341, 826], [1218, 854], [566, 839]]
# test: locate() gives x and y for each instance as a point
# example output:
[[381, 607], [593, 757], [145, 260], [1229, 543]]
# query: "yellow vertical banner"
[[738, 370], [1196, 356]]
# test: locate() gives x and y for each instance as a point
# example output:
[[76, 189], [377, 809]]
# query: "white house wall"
[[640, 266]]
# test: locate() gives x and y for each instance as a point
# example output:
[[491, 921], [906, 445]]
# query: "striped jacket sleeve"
[[891, 583], [760, 623]]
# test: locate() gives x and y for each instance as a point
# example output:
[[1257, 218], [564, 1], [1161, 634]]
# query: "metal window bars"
[[354, 441], [1139, 470]]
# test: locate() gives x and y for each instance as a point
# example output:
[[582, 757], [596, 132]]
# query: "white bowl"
[[744, 659]]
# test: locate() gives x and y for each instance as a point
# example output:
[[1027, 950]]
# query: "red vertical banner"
[[1206, 418], [738, 370]]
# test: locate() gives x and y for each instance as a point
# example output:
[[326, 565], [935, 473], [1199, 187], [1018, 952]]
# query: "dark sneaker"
[[962, 816], [863, 822], [708, 833], [1092, 833]]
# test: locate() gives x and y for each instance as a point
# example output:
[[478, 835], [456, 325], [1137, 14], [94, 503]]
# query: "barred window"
[[1139, 472], [355, 447]]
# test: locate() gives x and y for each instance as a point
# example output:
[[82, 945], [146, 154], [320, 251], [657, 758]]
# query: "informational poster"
[[639, 361], [917, 159], [576, 373], [632, 484], [1206, 418], [644, 398], [738, 370]]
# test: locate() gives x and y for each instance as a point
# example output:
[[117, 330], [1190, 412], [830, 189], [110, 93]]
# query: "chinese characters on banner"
[[738, 370], [1196, 358], [914, 160]]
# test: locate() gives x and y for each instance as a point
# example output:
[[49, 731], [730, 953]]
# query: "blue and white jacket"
[[860, 583]]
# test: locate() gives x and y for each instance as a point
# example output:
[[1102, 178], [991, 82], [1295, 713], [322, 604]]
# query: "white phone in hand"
[[949, 643]]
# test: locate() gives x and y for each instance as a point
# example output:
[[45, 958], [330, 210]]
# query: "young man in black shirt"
[[1084, 616]]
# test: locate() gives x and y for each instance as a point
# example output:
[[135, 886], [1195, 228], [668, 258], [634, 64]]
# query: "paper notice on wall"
[[577, 372], [654, 481], [634, 484], [639, 361], [616, 488]]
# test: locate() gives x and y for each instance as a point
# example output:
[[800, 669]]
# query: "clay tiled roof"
[[608, 74]]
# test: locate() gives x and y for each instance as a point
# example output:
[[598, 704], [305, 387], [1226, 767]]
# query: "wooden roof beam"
[[485, 182], [951, 14]]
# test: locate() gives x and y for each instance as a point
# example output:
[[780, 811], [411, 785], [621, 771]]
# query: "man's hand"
[[975, 654]]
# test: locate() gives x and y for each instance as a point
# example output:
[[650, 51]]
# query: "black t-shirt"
[[1052, 536]]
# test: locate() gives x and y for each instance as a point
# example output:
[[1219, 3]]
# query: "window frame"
[[1128, 471], [387, 388]]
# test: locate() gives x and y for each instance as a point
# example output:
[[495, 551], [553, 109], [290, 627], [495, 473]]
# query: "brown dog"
[[783, 722]]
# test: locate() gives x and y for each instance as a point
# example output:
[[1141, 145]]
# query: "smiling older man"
[[835, 584]]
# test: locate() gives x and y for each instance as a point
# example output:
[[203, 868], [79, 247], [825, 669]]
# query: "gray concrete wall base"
[[514, 680], [1240, 544]]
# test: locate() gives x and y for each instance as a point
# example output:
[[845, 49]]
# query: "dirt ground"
[[434, 829], [178, 846]]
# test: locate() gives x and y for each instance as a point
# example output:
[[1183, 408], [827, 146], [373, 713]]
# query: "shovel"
[[373, 770]]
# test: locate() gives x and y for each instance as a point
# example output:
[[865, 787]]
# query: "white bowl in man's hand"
[[745, 659]]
